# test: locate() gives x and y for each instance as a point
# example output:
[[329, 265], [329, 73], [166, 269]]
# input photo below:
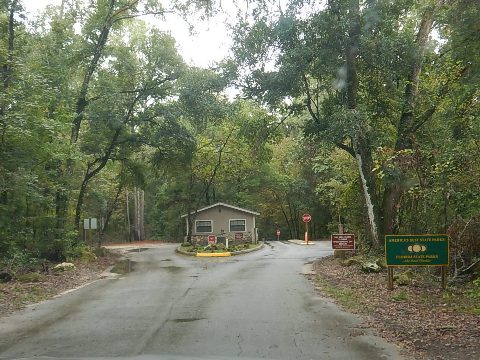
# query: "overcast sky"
[[210, 43]]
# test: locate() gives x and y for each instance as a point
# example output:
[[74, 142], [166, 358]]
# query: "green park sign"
[[417, 250]]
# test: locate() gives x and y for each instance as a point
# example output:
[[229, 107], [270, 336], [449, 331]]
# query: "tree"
[[369, 53]]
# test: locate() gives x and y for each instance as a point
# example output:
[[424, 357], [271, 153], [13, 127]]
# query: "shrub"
[[474, 292], [60, 248], [100, 251], [81, 252], [17, 262]]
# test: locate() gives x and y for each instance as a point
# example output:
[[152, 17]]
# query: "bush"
[[474, 292], [18, 262], [101, 251], [214, 247], [59, 249], [81, 252]]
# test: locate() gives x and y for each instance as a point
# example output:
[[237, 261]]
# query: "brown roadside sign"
[[343, 241]]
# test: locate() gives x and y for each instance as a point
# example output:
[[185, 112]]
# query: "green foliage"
[[148, 121], [17, 262], [215, 248], [81, 252], [424, 174], [343, 295], [400, 296], [100, 251], [404, 278], [474, 292]]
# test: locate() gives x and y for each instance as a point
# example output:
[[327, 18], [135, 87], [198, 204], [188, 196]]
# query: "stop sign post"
[[306, 219]]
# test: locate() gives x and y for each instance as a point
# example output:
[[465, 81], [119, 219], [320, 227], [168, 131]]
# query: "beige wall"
[[221, 216]]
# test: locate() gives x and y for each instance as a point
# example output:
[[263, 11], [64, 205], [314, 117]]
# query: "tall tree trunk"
[[142, 215], [111, 209], [81, 103], [139, 199], [364, 159], [293, 218], [127, 210], [135, 214], [93, 169], [285, 216], [6, 82], [407, 124], [361, 143], [190, 218]]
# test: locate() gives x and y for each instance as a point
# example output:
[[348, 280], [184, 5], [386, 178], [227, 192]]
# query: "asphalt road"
[[170, 306]]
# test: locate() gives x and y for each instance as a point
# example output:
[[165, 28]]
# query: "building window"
[[237, 225], [203, 226]]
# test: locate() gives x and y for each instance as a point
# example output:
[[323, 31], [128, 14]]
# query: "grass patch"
[[455, 299], [401, 296], [31, 278], [27, 295], [345, 297]]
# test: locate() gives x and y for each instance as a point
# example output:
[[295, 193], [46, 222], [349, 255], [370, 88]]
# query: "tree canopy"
[[363, 113]]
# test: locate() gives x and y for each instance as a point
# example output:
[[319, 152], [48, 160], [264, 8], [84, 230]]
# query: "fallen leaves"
[[15, 295], [424, 320]]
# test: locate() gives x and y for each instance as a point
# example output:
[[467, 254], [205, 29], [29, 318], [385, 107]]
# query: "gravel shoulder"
[[425, 321]]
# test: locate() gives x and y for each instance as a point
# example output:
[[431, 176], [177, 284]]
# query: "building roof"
[[222, 204]]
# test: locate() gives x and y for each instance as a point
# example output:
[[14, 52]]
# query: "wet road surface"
[[170, 306]]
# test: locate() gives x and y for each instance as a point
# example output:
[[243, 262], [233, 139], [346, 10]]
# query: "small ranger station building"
[[224, 221]]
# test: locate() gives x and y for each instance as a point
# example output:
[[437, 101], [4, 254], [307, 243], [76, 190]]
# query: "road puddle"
[[187, 320], [173, 269], [123, 266], [136, 250]]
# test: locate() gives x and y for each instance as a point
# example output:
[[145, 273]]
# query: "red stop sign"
[[306, 217], [278, 232]]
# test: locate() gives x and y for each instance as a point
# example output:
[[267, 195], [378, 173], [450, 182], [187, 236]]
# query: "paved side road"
[[255, 306]]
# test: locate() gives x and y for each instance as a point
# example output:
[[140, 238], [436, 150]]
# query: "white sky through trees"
[[209, 43]]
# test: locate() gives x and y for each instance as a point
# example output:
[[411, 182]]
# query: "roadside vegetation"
[[31, 281], [216, 248], [425, 320]]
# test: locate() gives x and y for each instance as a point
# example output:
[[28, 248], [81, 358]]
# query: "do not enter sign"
[[212, 239], [306, 218]]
